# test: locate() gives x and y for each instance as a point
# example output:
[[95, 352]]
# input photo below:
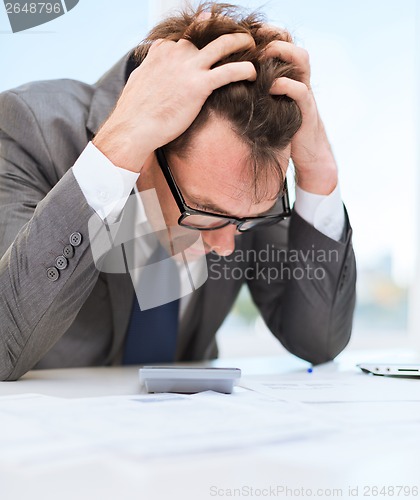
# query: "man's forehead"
[[218, 170], [232, 175], [237, 175], [223, 192]]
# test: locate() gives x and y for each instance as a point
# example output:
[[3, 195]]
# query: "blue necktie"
[[152, 333]]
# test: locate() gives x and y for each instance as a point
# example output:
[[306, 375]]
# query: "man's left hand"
[[316, 169]]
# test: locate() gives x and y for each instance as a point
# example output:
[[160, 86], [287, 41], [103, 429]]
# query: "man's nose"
[[221, 241]]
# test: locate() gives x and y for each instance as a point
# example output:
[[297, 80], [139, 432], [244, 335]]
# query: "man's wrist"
[[318, 182], [121, 150], [318, 177]]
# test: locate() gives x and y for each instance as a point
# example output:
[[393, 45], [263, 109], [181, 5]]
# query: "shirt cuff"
[[324, 212], [105, 186]]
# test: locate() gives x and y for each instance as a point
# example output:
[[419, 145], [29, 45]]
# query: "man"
[[214, 106]]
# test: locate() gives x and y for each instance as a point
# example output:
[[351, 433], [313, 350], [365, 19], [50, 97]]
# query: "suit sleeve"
[[307, 294], [38, 216]]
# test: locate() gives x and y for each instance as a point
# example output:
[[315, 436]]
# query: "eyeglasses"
[[201, 220]]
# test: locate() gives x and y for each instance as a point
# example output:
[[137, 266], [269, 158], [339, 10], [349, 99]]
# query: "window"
[[82, 44], [363, 57]]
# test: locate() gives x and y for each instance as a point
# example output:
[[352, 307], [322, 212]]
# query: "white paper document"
[[311, 388], [42, 430]]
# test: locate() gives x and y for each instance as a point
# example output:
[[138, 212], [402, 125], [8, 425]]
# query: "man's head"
[[235, 154]]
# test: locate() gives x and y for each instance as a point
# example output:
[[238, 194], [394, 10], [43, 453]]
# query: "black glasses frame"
[[239, 222]]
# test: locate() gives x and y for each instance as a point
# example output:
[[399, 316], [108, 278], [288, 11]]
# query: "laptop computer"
[[391, 369]]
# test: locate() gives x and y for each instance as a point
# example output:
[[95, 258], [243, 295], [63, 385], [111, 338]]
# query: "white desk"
[[380, 453], [123, 380]]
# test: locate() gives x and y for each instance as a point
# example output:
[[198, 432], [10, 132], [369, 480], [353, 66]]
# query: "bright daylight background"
[[363, 58]]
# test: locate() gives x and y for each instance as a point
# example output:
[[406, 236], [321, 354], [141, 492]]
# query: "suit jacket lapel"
[[207, 310]]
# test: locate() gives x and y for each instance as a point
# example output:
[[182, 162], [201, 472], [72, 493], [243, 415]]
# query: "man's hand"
[[165, 93], [315, 165]]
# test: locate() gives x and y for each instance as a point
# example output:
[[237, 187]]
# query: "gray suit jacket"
[[81, 318]]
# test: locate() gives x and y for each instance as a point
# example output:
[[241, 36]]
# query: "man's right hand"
[[165, 93]]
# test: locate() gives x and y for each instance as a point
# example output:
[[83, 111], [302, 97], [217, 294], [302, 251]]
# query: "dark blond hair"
[[266, 123]]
